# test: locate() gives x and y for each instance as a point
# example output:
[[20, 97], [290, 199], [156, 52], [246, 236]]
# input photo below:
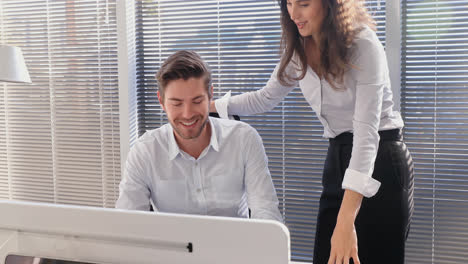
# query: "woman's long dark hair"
[[343, 20]]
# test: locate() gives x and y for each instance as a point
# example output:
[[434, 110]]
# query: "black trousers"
[[382, 224]]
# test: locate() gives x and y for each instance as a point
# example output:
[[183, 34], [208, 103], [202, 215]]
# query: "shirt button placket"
[[200, 195]]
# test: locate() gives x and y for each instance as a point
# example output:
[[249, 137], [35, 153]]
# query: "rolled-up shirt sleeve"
[[371, 73], [261, 194], [258, 101]]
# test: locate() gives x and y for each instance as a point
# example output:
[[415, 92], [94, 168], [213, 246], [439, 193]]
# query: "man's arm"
[[261, 194], [134, 190]]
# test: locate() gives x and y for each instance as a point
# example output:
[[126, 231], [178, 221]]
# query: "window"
[[434, 104], [59, 136]]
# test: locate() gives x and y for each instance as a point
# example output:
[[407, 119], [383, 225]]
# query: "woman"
[[330, 50]]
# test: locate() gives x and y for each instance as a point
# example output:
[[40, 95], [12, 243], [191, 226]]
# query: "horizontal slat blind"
[[4, 179], [60, 134], [377, 8], [435, 108], [240, 41], [4, 184]]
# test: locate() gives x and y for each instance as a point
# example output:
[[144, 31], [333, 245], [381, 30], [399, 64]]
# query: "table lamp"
[[12, 66]]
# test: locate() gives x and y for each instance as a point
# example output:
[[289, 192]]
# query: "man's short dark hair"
[[183, 64]]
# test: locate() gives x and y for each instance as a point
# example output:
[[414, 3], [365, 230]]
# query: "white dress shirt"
[[363, 107], [230, 176]]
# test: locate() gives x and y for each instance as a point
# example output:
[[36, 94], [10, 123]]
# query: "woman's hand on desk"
[[344, 239], [344, 244]]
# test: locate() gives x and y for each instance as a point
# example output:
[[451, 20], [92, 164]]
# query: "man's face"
[[186, 103]]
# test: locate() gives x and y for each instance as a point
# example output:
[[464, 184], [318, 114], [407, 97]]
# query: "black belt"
[[385, 135]]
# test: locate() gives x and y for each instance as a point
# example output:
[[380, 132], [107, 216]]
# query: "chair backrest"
[[236, 117]]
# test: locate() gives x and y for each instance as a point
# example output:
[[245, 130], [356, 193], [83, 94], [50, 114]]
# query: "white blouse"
[[363, 107]]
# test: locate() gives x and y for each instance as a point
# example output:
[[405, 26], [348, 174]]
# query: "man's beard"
[[194, 136]]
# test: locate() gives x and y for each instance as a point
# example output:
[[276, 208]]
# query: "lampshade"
[[12, 66]]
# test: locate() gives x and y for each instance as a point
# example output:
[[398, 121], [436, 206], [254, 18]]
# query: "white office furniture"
[[99, 235]]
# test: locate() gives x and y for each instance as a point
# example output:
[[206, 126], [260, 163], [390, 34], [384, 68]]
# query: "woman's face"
[[308, 15]]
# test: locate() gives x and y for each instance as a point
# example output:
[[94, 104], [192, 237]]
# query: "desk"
[[102, 235]]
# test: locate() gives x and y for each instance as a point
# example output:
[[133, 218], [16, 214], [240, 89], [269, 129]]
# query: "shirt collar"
[[174, 149], [214, 136]]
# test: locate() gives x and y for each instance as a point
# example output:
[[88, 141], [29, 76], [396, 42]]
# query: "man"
[[197, 164]]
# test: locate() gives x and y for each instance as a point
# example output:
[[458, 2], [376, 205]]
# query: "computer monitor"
[[62, 234]]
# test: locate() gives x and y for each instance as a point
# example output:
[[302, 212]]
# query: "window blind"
[[377, 9], [435, 108], [239, 39], [59, 136]]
